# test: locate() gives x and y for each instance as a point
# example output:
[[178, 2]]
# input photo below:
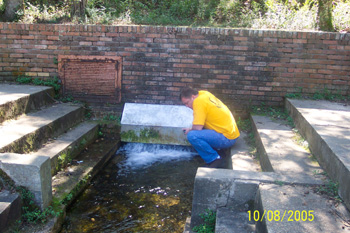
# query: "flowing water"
[[145, 188]]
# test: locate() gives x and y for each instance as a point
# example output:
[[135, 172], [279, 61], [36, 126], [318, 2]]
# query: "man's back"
[[213, 114]]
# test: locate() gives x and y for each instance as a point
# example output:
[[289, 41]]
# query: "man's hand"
[[186, 130], [194, 127]]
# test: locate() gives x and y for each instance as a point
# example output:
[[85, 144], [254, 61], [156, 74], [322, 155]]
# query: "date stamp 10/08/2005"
[[280, 216]]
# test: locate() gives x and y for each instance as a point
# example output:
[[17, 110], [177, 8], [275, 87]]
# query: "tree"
[[324, 15], [11, 7]]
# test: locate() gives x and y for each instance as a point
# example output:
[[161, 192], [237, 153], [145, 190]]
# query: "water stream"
[[145, 188]]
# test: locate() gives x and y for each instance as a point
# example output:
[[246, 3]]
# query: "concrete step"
[[292, 208], [34, 170], [233, 221], [29, 132], [326, 126], [241, 157], [16, 100], [232, 193], [278, 150], [68, 183], [66, 147], [10, 209]]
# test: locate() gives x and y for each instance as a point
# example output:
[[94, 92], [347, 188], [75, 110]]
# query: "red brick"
[[215, 81], [330, 42], [240, 38], [273, 40], [299, 41]]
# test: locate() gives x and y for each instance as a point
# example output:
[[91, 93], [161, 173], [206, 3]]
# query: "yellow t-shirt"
[[210, 112]]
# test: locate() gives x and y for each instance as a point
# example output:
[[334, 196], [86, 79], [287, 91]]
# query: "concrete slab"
[[278, 150], [297, 209], [29, 131], [30, 171], [241, 158], [159, 124], [326, 126], [11, 92], [19, 99]]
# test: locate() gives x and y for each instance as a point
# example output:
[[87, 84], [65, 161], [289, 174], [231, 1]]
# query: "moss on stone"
[[145, 135], [6, 181], [149, 135]]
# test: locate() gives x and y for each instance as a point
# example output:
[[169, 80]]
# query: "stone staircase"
[[38, 138], [287, 195]]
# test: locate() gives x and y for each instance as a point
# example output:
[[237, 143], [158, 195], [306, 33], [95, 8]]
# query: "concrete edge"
[[264, 160], [27, 103], [335, 169], [41, 135], [32, 172], [55, 224], [262, 177], [74, 147]]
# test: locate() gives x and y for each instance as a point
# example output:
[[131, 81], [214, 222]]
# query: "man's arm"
[[194, 127]]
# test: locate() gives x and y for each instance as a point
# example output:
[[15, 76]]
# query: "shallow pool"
[[145, 188]]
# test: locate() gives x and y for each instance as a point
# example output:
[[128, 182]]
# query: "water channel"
[[144, 188]]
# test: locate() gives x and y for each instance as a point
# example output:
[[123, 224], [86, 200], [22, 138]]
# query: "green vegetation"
[[145, 135], [244, 124], [295, 95], [273, 112], [279, 182], [269, 14], [112, 117], [324, 94], [209, 218], [54, 82], [31, 212], [330, 189]]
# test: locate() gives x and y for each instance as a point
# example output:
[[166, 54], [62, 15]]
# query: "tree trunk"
[[78, 7], [324, 15], [11, 7]]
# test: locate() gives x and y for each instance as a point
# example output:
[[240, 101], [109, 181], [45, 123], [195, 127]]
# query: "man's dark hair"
[[187, 92]]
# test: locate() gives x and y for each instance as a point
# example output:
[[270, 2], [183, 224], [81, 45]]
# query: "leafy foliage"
[[54, 82], [341, 15], [269, 14], [209, 218], [30, 212]]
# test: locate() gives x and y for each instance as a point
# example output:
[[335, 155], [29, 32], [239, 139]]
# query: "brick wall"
[[243, 67]]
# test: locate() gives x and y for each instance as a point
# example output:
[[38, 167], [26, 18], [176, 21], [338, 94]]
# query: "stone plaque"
[[94, 79]]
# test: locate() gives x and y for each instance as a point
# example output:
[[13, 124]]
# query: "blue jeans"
[[207, 141]]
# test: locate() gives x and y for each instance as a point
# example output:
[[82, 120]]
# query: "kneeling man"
[[214, 127]]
